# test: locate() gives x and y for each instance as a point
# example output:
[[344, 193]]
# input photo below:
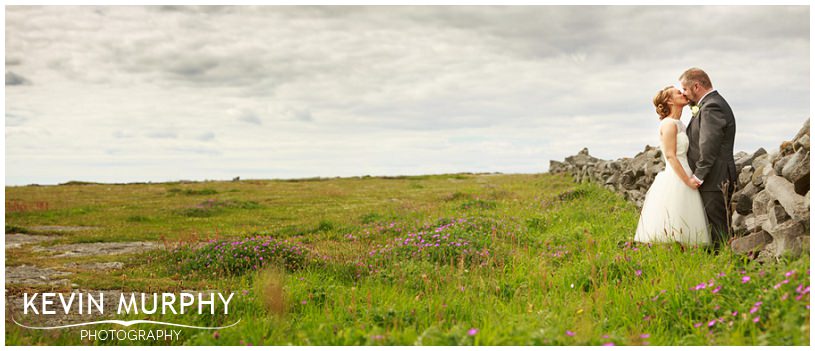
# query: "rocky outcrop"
[[769, 209]]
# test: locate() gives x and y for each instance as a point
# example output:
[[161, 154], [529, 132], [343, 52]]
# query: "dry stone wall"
[[769, 209]]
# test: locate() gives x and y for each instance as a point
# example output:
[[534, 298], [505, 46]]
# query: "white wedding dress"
[[672, 211]]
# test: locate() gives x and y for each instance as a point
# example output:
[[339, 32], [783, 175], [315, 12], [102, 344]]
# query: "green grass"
[[551, 264]]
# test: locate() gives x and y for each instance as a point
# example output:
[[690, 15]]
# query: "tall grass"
[[547, 262]]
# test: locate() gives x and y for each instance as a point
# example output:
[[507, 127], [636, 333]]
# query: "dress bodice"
[[682, 143]]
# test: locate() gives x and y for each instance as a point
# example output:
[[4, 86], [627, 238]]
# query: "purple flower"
[[755, 320], [472, 332], [569, 333], [716, 289], [754, 309], [608, 344], [638, 272], [745, 279], [789, 273], [645, 336], [711, 323]]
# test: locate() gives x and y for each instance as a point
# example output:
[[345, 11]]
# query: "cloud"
[[206, 136], [348, 90], [15, 79], [121, 134], [245, 116], [162, 134], [15, 120]]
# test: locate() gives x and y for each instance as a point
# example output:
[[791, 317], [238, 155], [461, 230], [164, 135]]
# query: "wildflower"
[[638, 272], [569, 333], [303, 302], [755, 320], [608, 344], [645, 336], [789, 273], [716, 290], [472, 332], [711, 323], [216, 335], [735, 313], [697, 325], [745, 279]]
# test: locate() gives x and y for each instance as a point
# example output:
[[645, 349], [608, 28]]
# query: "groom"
[[711, 132]]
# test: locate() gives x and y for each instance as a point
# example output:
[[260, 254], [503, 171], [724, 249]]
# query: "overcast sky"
[[127, 94]]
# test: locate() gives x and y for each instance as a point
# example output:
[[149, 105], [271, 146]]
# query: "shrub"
[[239, 256]]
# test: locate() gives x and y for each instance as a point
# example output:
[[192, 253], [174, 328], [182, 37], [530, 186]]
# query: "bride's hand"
[[692, 184]]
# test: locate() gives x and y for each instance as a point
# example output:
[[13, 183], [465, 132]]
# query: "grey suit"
[[711, 134]]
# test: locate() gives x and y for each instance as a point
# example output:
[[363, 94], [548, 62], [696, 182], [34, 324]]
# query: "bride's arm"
[[668, 136]]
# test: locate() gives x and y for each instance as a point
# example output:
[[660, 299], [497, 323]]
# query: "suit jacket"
[[711, 134]]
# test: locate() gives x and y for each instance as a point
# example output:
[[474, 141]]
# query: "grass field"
[[456, 259]]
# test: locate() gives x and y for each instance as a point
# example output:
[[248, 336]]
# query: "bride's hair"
[[661, 102]]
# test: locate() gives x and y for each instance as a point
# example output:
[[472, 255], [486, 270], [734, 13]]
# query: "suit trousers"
[[717, 216]]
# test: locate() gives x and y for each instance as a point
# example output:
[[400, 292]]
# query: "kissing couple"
[[687, 202]]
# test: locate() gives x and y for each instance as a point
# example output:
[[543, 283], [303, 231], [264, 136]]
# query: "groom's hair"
[[696, 75]]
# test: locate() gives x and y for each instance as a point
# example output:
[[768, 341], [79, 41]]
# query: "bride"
[[672, 210]]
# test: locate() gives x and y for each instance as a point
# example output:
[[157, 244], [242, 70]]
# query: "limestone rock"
[[737, 223], [785, 237], [776, 214], [743, 199], [746, 176], [760, 202], [803, 131], [756, 222], [743, 161], [752, 242], [782, 190], [796, 170]]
